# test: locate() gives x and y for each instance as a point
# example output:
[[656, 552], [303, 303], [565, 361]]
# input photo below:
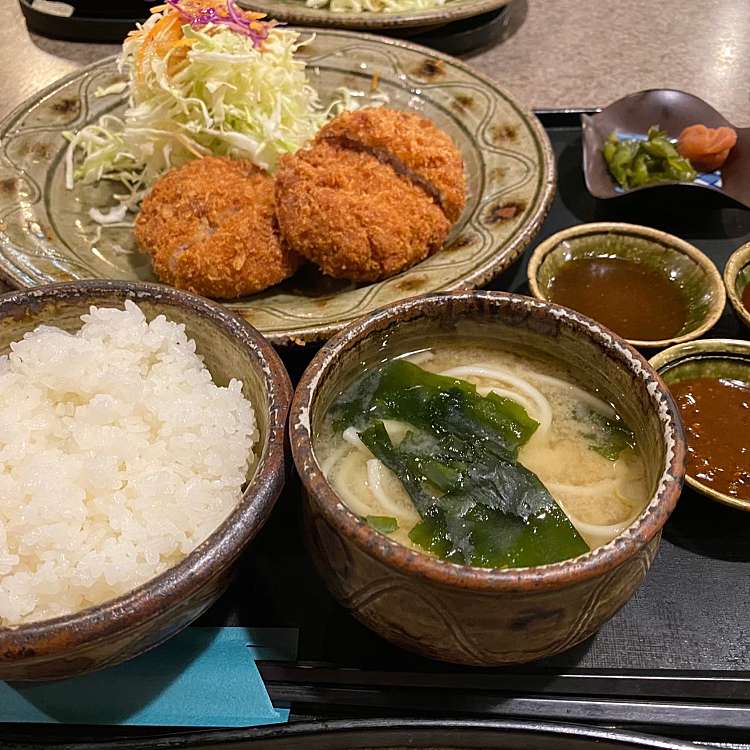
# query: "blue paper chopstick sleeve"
[[203, 677]]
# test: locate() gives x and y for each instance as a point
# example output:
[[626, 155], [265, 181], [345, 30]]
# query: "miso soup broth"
[[500, 461]]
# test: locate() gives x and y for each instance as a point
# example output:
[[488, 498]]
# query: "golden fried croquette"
[[353, 216], [210, 227], [420, 145], [376, 193]]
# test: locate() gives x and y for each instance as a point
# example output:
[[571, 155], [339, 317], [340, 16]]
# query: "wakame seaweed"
[[383, 524], [608, 437], [459, 464]]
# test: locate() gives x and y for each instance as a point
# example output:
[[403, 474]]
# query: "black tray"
[[677, 657], [674, 661]]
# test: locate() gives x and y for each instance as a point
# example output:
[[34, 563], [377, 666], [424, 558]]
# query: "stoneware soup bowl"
[[458, 613], [119, 629]]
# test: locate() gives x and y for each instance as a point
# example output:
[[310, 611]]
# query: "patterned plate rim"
[[376, 21], [480, 275]]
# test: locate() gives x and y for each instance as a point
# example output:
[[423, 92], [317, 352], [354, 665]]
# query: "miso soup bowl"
[[470, 615], [122, 628]]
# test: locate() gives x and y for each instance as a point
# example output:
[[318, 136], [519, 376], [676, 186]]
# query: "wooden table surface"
[[557, 54]]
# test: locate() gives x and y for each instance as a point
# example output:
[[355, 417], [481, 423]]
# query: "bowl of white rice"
[[141, 449]]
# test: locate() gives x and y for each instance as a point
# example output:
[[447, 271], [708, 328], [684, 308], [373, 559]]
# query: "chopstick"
[[683, 686]]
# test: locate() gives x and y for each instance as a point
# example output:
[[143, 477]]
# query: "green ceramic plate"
[[296, 11], [46, 234]]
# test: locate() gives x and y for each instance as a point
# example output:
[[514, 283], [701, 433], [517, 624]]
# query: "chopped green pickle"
[[383, 524], [459, 465], [634, 163]]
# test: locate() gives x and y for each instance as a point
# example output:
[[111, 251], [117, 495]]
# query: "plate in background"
[[46, 234], [295, 11]]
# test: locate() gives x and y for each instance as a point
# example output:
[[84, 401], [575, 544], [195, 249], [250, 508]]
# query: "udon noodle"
[[600, 489]]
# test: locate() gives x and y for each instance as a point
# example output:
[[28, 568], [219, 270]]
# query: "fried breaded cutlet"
[[353, 216], [420, 145], [210, 228], [376, 192]]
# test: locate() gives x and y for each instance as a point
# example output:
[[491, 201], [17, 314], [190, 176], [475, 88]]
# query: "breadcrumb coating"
[[210, 228], [415, 141], [353, 216]]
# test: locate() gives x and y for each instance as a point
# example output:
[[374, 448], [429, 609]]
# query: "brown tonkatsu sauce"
[[633, 300], [716, 413], [746, 297]]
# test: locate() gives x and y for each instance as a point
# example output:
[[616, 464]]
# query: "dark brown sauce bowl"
[[737, 280], [696, 275], [122, 628], [458, 613], [709, 358]]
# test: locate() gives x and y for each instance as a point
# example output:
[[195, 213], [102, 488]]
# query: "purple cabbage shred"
[[256, 29]]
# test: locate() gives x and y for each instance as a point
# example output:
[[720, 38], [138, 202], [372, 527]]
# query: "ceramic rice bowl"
[[122, 628]]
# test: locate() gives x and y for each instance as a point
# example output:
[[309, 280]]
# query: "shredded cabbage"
[[375, 6], [349, 100], [195, 92]]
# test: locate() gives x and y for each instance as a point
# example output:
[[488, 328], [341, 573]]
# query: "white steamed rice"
[[118, 456]]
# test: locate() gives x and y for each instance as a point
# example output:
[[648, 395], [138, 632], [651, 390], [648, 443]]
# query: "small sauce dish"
[[672, 111], [737, 281], [710, 381], [649, 287]]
